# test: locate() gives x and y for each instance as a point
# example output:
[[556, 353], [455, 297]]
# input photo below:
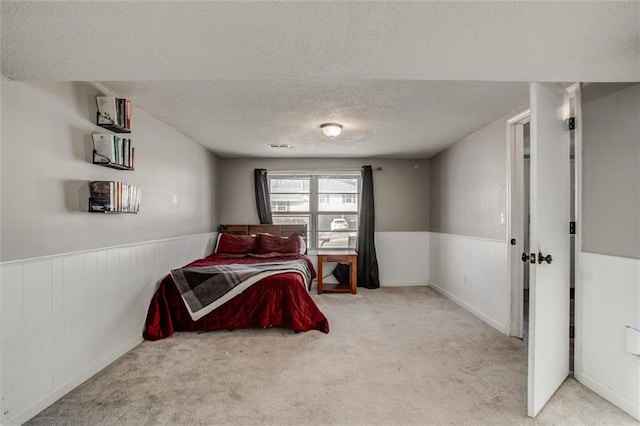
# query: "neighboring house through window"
[[280, 206], [348, 198], [326, 202]]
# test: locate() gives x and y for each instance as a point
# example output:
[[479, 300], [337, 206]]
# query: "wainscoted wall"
[[472, 273], [610, 295], [467, 248], [403, 258], [65, 317]]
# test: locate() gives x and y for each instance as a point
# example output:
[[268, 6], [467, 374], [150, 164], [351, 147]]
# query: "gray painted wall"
[[401, 188], [46, 165], [468, 184], [611, 169]]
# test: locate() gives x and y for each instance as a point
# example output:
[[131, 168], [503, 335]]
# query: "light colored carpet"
[[393, 356]]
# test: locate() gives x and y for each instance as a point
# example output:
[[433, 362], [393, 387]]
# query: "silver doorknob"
[[543, 258]]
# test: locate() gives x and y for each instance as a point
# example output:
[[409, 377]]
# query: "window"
[[327, 204]]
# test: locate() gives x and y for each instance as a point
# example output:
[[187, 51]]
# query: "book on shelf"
[[98, 205], [112, 149], [114, 111], [126, 149], [136, 199], [128, 114], [111, 196], [118, 192], [107, 109], [120, 106], [103, 145], [119, 150], [102, 195], [124, 200]]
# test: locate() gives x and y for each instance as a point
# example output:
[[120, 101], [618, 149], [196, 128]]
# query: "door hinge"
[[572, 228], [571, 123]]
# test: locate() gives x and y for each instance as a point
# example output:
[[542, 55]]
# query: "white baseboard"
[[66, 317], [502, 328], [606, 302], [314, 285], [471, 272], [608, 394], [404, 284], [403, 258], [49, 399]]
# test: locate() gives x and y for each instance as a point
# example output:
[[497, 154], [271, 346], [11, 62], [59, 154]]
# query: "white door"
[[549, 235]]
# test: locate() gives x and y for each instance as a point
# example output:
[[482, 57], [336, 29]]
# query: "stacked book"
[[114, 111], [109, 196], [112, 149]]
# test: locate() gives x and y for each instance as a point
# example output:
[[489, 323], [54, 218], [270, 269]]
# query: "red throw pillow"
[[271, 243], [239, 244]]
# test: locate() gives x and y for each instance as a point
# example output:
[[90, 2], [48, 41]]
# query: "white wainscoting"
[[66, 317], [403, 258], [472, 273], [609, 293]]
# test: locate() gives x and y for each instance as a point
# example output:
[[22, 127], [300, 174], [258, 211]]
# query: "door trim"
[[575, 101], [515, 206]]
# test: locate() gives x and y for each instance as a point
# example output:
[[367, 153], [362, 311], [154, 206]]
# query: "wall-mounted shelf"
[[114, 113], [113, 197], [101, 160], [94, 209], [113, 151], [110, 125]]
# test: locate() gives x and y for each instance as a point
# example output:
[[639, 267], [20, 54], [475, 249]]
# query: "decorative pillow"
[[239, 244], [271, 243], [302, 245]]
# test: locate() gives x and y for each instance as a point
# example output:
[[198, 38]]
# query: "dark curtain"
[[368, 275], [263, 200]]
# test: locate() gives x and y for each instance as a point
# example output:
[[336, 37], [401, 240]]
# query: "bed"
[[280, 275]]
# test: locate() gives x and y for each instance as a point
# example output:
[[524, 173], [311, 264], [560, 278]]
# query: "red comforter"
[[277, 301]]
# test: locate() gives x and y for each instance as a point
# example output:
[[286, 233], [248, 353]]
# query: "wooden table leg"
[[320, 273], [354, 276]]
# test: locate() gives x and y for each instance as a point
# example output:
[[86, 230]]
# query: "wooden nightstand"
[[340, 257]]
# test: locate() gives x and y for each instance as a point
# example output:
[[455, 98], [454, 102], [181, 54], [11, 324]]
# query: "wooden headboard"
[[279, 230]]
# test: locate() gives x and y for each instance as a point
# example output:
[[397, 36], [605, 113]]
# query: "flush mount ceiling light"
[[331, 129]]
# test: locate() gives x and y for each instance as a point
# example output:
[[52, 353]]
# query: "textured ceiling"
[[403, 119], [238, 75]]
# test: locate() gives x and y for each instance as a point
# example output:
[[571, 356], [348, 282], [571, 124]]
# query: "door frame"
[[515, 207], [575, 102]]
